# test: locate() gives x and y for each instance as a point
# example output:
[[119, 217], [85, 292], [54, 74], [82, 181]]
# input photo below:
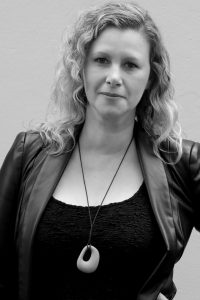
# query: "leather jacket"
[[29, 176]]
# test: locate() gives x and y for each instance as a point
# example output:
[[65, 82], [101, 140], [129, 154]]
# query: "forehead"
[[122, 41]]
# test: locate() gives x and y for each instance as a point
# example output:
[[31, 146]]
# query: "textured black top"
[[126, 235]]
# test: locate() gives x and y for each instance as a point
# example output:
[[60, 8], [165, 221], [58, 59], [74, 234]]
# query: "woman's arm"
[[10, 178]]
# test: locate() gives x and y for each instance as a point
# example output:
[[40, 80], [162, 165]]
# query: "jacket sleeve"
[[195, 176], [10, 177]]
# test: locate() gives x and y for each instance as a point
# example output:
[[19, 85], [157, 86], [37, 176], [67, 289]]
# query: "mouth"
[[112, 95]]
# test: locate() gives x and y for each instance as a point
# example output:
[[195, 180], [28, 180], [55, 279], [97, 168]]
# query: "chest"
[[101, 177]]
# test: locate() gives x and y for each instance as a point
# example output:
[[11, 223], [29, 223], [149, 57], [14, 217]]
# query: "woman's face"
[[116, 72]]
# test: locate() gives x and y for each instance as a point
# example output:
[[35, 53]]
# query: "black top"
[[126, 235]]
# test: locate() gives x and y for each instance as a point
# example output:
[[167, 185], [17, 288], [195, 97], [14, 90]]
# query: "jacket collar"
[[45, 181]]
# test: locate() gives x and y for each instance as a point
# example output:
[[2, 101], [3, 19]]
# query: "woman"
[[99, 202]]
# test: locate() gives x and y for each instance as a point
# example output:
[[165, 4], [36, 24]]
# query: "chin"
[[110, 112], [112, 108], [113, 114]]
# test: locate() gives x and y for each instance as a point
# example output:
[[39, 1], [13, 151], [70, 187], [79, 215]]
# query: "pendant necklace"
[[90, 265]]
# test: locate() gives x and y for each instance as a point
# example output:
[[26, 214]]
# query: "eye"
[[101, 60], [130, 65]]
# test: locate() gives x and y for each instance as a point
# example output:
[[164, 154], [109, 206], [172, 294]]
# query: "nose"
[[114, 76]]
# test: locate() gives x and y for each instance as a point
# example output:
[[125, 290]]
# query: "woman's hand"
[[161, 297]]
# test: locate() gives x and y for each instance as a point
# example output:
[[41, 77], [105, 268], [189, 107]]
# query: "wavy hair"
[[156, 112]]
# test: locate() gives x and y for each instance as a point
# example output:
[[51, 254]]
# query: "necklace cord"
[[86, 192]]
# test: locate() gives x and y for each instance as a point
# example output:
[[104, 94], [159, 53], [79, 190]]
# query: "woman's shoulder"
[[32, 145], [28, 143], [30, 138], [189, 163], [190, 150]]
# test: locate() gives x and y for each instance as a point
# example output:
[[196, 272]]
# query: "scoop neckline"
[[104, 205]]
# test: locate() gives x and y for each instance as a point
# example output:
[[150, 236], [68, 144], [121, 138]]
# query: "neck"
[[106, 136]]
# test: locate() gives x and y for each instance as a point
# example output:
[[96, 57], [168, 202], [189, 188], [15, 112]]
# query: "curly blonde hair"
[[156, 111]]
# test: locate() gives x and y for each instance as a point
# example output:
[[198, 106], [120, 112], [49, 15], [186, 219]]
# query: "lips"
[[112, 94]]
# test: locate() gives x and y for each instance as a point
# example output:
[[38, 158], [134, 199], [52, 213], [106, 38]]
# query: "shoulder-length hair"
[[156, 111]]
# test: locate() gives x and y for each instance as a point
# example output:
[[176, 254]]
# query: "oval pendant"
[[90, 265]]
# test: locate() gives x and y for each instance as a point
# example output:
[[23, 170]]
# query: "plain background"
[[30, 38]]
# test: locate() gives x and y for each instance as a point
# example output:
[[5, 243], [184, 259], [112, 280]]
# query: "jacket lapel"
[[157, 186], [158, 191], [42, 184]]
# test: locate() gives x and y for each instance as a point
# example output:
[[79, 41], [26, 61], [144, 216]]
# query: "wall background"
[[30, 36]]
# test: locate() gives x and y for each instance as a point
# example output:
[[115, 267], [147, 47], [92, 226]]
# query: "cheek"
[[92, 83], [136, 90], [89, 86], [87, 78], [142, 83]]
